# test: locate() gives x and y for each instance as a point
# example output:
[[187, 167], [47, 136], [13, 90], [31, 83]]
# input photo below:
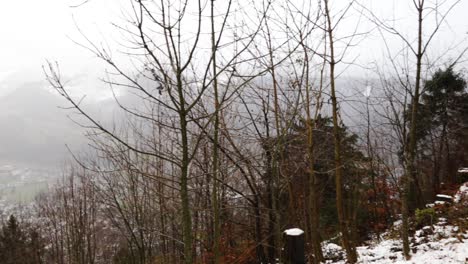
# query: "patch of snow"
[[440, 246], [332, 247], [462, 193], [294, 232], [444, 196], [426, 228], [333, 253], [397, 223]]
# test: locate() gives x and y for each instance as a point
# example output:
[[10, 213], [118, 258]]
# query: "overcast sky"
[[33, 31]]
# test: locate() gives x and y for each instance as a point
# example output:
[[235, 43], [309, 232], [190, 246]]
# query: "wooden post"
[[294, 250]]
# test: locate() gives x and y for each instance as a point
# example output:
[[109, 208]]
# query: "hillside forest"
[[237, 120]]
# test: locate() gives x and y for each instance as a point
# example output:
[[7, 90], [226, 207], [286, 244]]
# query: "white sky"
[[35, 30]]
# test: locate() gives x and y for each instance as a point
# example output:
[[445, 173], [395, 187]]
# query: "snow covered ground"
[[441, 243], [429, 249]]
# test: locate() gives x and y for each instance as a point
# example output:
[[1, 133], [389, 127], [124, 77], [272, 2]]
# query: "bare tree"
[[170, 76], [418, 48]]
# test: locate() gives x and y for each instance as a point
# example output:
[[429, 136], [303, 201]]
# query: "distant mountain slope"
[[33, 128]]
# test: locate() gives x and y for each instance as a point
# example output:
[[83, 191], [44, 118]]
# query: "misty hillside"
[[233, 132], [34, 128]]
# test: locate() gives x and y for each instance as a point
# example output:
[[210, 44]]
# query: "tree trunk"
[[313, 202], [215, 204], [258, 233], [344, 228], [184, 195], [411, 153]]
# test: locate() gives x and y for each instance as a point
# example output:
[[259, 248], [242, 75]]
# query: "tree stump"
[[294, 249]]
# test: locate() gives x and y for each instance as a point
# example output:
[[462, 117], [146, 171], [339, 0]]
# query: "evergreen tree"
[[445, 103], [18, 246], [12, 242]]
